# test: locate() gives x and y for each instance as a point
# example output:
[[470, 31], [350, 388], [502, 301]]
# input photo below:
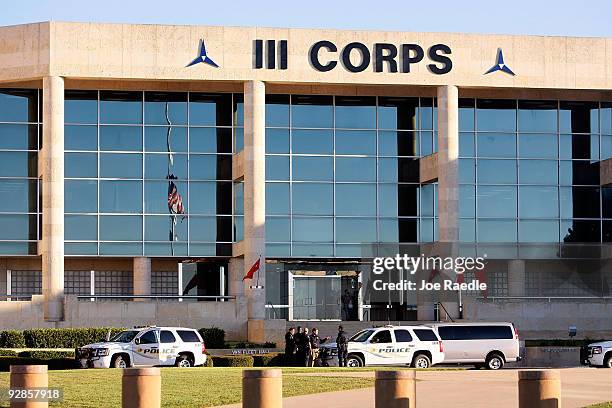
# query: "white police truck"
[[414, 346], [147, 346], [599, 354]]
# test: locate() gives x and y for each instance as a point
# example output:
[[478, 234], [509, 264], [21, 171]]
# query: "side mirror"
[[137, 341]]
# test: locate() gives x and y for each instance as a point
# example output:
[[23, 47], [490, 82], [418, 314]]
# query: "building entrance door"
[[316, 296]]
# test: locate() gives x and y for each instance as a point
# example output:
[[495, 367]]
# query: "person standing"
[[315, 344], [290, 347], [304, 344], [297, 337], [347, 304], [342, 344]]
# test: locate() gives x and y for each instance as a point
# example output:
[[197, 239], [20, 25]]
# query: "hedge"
[[560, 342], [8, 353], [46, 354], [249, 345], [209, 361], [214, 338], [53, 364], [12, 339], [233, 361], [65, 338], [269, 360]]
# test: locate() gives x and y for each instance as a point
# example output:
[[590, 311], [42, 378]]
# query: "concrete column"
[[28, 377], [141, 388], [254, 159], [262, 388], [516, 277], [142, 276], [395, 389], [539, 389], [52, 170], [448, 163]]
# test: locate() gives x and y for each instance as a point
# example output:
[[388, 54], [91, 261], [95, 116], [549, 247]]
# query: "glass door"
[[316, 297]]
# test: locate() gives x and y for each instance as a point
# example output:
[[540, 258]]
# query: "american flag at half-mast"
[[175, 201]]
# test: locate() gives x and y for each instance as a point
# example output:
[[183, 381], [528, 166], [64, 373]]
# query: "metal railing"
[[155, 297]]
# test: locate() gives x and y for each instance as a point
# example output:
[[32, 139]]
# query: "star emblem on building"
[[500, 65], [203, 57]]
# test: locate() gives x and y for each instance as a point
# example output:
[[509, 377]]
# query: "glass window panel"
[[355, 230], [203, 197], [122, 248], [398, 143], [427, 143], [312, 250], [18, 195], [121, 138], [166, 108], [210, 109], [606, 200], [579, 147], [313, 198], [278, 229], [398, 170], [579, 202], [210, 167], [81, 248], [467, 204], [277, 167], [238, 228], [80, 137], [428, 193], [538, 172], [311, 229], [210, 140], [116, 165], [18, 227], [277, 110], [467, 170], [356, 112], [81, 107], [426, 230], [355, 199], [496, 115], [81, 227], [467, 145], [538, 202], [607, 231], [537, 116], [238, 139], [496, 144], [402, 199], [160, 228], [355, 142], [580, 231], [466, 115], [18, 164], [165, 249], [158, 166], [497, 201], [120, 228], [538, 231], [81, 164], [81, 196], [18, 105], [156, 196], [277, 198], [121, 196], [202, 249], [238, 110], [312, 168], [312, 111], [497, 231], [467, 230], [18, 137], [210, 229], [312, 141], [278, 250], [538, 145], [388, 230], [426, 113], [120, 107], [397, 113], [578, 172], [157, 137], [388, 204], [579, 117], [605, 117], [355, 169], [606, 147], [239, 198], [496, 171], [277, 141]]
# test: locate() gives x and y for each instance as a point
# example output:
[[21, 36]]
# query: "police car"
[[414, 346], [598, 354], [149, 346]]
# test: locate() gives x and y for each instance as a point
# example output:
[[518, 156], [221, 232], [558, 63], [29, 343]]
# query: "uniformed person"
[[297, 337], [304, 344], [315, 343], [342, 344], [290, 347]]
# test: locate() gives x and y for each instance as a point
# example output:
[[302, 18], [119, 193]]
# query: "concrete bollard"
[[262, 388], [395, 389], [29, 376], [141, 388], [539, 389]]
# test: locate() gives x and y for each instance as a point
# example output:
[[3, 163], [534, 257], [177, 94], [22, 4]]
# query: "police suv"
[[148, 346], [414, 346], [598, 354]]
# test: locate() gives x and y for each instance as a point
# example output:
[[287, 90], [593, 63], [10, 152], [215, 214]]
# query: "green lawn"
[[186, 388], [601, 405]]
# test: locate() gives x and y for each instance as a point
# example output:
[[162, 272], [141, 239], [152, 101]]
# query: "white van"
[[488, 345]]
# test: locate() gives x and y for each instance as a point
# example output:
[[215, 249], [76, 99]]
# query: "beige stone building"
[[145, 168]]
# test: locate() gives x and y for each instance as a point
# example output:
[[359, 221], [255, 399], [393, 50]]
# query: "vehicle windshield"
[[124, 336], [361, 336]]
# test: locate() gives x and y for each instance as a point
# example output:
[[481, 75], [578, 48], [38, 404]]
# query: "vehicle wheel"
[[494, 361], [184, 361], [421, 361], [608, 361], [354, 361], [119, 361]]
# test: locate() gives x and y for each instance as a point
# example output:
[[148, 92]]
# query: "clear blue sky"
[[541, 17]]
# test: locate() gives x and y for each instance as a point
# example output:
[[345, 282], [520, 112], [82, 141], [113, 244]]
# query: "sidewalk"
[[468, 389]]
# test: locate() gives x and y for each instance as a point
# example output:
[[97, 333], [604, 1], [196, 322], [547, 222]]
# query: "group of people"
[[303, 349]]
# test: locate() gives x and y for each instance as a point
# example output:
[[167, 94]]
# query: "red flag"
[[432, 275], [253, 269]]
